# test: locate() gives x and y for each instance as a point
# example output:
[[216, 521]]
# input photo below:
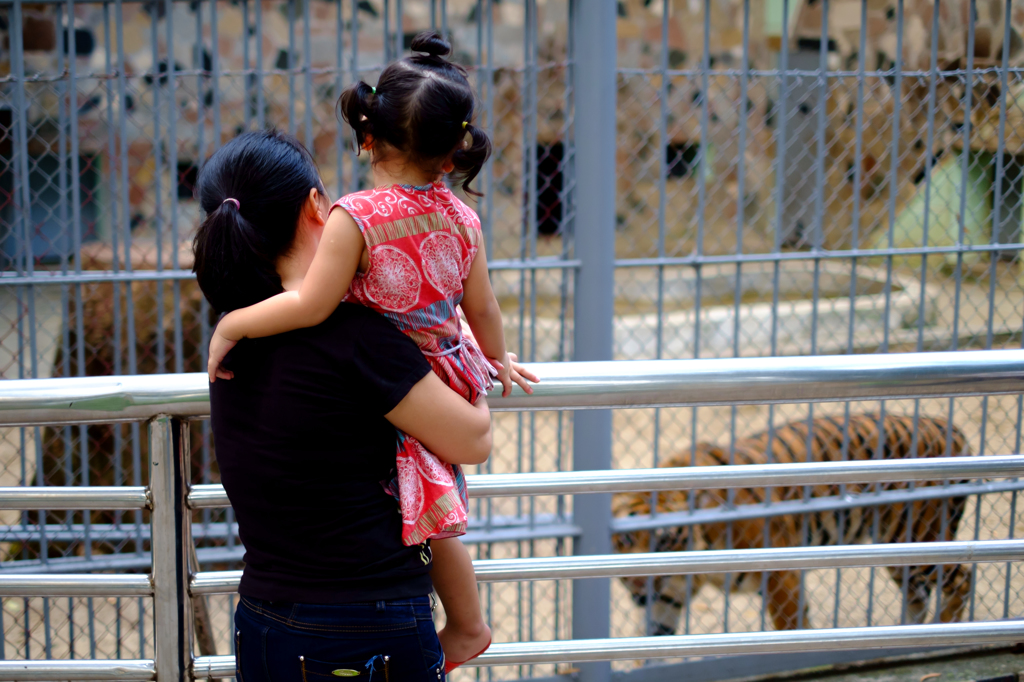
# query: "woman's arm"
[[326, 283], [455, 430]]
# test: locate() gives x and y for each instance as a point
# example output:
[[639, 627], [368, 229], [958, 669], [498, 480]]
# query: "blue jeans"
[[374, 642]]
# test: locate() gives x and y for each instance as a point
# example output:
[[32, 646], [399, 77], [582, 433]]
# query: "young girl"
[[411, 250]]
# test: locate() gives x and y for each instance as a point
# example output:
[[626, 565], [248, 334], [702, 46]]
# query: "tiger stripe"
[[868, 436]]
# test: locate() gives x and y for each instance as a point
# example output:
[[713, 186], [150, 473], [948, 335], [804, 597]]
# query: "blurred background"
[[793, 177]]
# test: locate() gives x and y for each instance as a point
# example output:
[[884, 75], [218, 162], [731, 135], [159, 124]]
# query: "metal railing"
[[167, 402]]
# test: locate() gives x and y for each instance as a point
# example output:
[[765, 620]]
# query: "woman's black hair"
[[423, 107], [252, 190]]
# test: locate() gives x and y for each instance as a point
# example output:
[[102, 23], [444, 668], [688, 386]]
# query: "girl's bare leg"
[[465, 632]]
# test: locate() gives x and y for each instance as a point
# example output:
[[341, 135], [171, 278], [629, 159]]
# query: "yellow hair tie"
[[464, 124]]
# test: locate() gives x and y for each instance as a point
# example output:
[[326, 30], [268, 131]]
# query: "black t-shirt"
[[303, 446]]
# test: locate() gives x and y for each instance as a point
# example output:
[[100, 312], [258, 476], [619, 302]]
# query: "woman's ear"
[[314, 206]]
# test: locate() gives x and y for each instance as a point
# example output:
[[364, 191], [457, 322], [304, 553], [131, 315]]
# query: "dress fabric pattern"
[[421, 243]]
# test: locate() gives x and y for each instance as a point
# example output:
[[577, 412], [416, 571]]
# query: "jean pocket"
[[430, 648], [374, 669]]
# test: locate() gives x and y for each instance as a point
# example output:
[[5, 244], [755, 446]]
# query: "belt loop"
[[381, 605]]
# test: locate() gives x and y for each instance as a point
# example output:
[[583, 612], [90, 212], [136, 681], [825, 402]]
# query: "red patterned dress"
[[421, 242]]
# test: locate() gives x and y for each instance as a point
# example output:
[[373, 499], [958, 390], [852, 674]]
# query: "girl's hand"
[[219, 347], [504, 374], [515, 373], [520, 374]]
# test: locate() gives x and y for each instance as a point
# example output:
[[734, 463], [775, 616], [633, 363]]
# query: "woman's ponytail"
[[356, 106], [233, 262], [470, 160], [252, 190]]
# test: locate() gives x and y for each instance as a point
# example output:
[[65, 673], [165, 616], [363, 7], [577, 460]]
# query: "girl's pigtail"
[[470, 160], [356, 106], [234, 265]]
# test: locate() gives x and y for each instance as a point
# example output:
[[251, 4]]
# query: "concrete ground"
[[994, 665]]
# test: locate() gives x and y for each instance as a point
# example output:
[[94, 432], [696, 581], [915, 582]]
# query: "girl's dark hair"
[[269, 175], [422, 107]]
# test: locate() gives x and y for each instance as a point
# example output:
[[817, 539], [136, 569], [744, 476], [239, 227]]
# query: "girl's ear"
[[368, 142], [448, 166]]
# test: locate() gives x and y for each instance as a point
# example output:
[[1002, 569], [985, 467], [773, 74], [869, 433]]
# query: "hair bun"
[[431, 43]]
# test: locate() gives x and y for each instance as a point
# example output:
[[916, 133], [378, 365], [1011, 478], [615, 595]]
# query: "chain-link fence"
[[107, 110], [791, 178], [816, 178]]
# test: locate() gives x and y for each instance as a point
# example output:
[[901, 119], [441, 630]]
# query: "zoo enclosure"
[[857, 207], [174, 584]]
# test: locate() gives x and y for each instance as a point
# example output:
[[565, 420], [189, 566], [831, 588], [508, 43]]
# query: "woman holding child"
[[342, 417]]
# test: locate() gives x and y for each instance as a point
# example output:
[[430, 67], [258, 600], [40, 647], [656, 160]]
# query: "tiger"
[[932, 520]]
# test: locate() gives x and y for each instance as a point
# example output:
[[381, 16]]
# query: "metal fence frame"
[[587, 262], [594, 385]]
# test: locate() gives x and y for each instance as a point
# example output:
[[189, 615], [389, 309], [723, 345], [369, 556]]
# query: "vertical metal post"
[[172, 168], [171, 540], [258, 39], [339, 136], [595, 84], [307, 66], [291, 66]]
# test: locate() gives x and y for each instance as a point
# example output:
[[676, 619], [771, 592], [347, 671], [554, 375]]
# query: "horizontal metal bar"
[[577, 385], [814, 73], [179, 74], [742, 476], [819, 254], [139, 670], [75, 585], [81, 400], [207, 667], [513, 529], [76, 533], [79, 564], [624, 648], [208, 496], [812, 505], [539, 531], [73, 497], [51, 278], [141, 561], [735, 381], [958, 634], [716, 561], [742, 560], [104, 532], [536, 264], [43, 278], [549, 64], [227, 555], [497, 528], [687, 478], [215, 582]]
